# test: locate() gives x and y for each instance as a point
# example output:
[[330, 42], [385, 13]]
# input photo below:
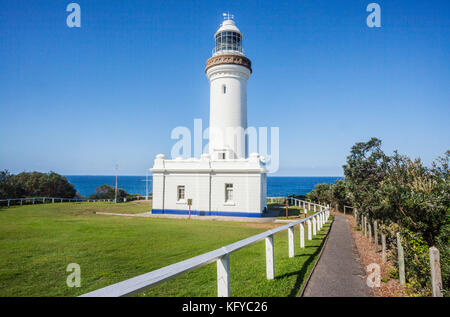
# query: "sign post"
[[189, 202], [287, 209]]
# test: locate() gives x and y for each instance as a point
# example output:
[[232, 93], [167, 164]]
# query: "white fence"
[[306, 205], [44, 200], [222, 256]]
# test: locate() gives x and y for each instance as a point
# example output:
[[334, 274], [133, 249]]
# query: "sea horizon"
[[86, 185]]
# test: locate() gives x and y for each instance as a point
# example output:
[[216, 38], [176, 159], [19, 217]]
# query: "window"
[[228, 41], [228, 192], [180, 192], [221, 155], [224, 89]]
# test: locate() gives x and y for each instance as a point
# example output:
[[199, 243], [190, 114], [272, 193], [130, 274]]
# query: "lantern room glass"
[[228, 41]]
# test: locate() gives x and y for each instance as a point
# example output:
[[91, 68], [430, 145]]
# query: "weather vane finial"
[[228, 16]]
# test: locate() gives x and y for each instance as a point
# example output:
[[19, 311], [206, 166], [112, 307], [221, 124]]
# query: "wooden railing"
[[43, 200], [222, 256]]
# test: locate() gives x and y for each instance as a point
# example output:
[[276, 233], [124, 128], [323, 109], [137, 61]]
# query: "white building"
[[225, 182]]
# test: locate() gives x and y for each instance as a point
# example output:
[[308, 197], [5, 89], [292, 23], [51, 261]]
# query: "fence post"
[[291, 242], [309, 230], [383, 248], [361, 224], [375, 234], [314, 225], [302, 235], [436, 277], [269, 258], [370, 231], [364, 225], [401, 260], [223, 276], [317, 223]]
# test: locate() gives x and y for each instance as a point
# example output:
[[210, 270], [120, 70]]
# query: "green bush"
[[35, 184], [404, 196], [109, 192]]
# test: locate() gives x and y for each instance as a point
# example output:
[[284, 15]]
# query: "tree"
[[321, 193], [339, 196], [364, 173], [35, 184], [108, 192]]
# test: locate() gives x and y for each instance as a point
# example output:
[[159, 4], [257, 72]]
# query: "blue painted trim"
[[207, 213]]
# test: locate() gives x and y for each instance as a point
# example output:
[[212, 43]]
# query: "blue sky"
[[76, 101]]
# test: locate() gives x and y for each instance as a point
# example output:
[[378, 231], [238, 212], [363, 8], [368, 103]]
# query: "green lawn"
[[37, 242]]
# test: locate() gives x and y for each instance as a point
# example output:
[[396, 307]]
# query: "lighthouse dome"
[[228, 25]]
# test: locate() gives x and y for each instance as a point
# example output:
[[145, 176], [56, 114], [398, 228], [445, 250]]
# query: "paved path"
[[338, 272]]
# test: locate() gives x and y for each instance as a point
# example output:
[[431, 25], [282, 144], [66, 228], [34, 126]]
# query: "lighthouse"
[[228, 71], [226, 181]]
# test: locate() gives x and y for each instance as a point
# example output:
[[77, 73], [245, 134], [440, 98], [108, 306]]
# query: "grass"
[[39, 241]]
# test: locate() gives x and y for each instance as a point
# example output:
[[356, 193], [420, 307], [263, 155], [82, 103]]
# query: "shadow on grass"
[[301, 274]]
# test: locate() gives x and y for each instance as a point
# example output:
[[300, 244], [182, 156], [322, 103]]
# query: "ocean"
[[276, 186]]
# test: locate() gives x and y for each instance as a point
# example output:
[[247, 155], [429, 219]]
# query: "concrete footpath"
[[338, 272]]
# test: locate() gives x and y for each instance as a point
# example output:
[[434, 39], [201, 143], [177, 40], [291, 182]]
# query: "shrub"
[[35, 184]]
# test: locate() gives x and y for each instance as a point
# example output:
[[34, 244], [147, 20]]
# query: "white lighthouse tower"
[[228, 71], [226, 181]]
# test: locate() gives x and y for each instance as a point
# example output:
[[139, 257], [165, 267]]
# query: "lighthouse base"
[[206, 187]]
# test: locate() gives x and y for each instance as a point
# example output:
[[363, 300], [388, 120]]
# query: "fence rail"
[[222, 256], [43, 200]]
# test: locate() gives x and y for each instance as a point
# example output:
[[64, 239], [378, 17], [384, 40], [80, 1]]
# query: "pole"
[[115, 193], [375, 234], [269, 258], [287, 209], [401, 260], [436, 277], [146, 186]]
